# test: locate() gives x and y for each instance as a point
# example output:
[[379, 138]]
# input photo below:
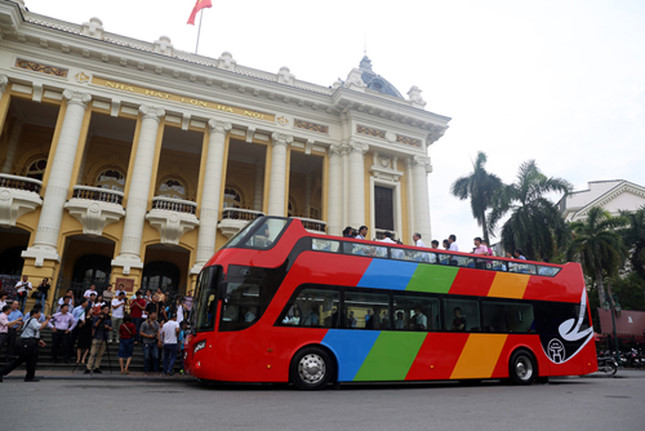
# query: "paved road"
[[590, 403]]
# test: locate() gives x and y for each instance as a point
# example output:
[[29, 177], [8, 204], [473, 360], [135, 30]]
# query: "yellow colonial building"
[[130, 161]]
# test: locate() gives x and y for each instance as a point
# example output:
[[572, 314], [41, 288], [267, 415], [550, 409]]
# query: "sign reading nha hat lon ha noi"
[[121, 86]]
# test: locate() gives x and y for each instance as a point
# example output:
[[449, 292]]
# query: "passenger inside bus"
[[459, 322]]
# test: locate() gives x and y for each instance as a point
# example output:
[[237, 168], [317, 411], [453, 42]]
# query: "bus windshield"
[[260, 234], [206, 298]]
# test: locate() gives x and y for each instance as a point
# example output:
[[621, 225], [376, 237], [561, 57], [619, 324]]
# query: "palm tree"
[[480, 186], [634, 239], [535, 225], [597, 246]]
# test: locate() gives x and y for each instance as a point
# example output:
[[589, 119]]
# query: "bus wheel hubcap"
[[524, 369], [312, 368]]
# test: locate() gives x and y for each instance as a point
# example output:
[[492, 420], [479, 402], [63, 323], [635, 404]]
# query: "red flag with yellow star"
[[201, 4]]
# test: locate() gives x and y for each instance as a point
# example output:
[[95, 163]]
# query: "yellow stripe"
[[507, 285], [479, 357]]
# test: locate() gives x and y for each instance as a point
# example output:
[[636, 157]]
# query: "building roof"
[[611, 195], [376, 82]]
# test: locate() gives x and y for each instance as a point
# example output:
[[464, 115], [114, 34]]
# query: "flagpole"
[[199, 30]]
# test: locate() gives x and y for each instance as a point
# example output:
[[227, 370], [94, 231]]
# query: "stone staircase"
[[45, 357]]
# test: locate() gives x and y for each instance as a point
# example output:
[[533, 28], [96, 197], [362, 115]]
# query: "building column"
[[209, 208], [137, 204], [51, 214], [420, 168], [335, 192], [258, 188], [356, 184], [277, 183]]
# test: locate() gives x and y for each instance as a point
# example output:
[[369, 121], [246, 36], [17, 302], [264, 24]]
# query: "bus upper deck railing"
[[435, 257]]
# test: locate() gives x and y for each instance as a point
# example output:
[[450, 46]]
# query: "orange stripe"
[[479, 356], [506, 285]]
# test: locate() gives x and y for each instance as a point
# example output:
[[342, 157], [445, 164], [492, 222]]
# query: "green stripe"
[[391, 356], [432, 278]]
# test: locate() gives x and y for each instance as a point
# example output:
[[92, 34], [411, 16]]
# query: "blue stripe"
[[351, 347], [388, 274]]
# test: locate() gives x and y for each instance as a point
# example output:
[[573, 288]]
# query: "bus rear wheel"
[[311, 368], [522, 368]]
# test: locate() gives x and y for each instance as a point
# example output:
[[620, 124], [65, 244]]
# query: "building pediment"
[[625, 196]]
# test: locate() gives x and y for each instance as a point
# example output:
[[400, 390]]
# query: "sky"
[[561, 82]]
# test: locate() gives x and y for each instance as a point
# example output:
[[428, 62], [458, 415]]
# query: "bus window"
[[367, 310], [522, 268], [498, 316], [549, 271], [325, 245], [312, 307], [415, 313], [264, 237], [419, 256], [364, 249], [206, 295], [461, 315], [248, 293]]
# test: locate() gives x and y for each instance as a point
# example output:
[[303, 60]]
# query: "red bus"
[[280, 304]]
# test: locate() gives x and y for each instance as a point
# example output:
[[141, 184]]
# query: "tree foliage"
[[535, 225], [634, 239], [481, 187], [597, 245]]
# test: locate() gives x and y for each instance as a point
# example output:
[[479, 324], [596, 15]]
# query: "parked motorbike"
[[607, 364]]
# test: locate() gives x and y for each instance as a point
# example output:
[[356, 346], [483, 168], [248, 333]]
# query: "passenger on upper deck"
[[362, 232], [434, 244], [417, 240], [452, 240]]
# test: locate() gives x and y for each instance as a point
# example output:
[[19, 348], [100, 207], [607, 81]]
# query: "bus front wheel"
[[522, 368], [311, 368]]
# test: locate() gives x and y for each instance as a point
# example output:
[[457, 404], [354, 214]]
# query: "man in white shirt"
[[417, 240], [452, 240], [169, 332], [118, 309], [91, 290], [23, 288]]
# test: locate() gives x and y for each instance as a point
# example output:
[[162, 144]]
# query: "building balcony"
[[172, 218], [313, 225], [95, 208], [18, 196], [235, 219]]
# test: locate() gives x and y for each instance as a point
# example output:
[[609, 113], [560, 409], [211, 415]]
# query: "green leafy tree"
[[634, 239], [481, 187], [535, 225], [597, 245]]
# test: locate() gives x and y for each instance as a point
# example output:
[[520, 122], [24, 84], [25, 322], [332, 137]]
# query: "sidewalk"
[[57, 374]]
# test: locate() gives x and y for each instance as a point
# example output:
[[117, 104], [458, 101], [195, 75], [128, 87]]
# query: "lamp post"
[[612, 305]]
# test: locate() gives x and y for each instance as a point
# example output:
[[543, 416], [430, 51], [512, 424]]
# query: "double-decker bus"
[[280, 304]]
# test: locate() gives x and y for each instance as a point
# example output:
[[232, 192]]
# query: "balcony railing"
[[240, 214], [313, 225], [98, 194], [20, 183], [173, 204]]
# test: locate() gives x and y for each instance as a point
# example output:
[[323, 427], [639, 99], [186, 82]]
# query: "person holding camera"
[[28, 345], [23, 287], [150, 334], [101, 327]]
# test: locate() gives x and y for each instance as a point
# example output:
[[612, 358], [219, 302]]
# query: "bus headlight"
[[199, 346]]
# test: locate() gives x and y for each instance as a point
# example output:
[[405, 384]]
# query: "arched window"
[[173, 188], [164, 275], [111, 179], [232, 198], [92, 269], [36, 169], [292, 212]]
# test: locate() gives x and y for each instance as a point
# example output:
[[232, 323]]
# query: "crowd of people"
[[480, 246], [86, 327]]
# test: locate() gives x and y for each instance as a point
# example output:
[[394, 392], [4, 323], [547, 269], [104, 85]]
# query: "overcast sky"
[[561, 82]]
